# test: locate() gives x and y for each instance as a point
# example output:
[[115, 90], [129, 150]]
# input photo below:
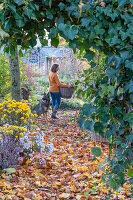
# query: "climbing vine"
[[106, 26]]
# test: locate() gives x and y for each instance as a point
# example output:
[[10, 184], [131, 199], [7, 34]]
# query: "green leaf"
[[85, 21], [111, 72], [55, 42], [81, 121], [129, 64], [50, 3], [49, 14], [28, 12], [121, 3], [12, 7], [87, 110], [20, 22], [89, 55], [86, 194], [130, 137], [118, 61], [8, 24], [70, 31], [98, 127], [20, 53], [17, 15], [125, 55], [130, 173], [33, 6], [61, 6], [129, 86], [18, 2], [96, 151], [98, 29], [94, 190], [88, 125], [32, 42], [129, 116], [53, 32], [93, 64]]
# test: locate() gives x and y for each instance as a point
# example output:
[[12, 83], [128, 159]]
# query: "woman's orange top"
[[54, 82]]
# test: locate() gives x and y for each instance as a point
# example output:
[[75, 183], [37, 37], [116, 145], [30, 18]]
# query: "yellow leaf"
[[43, 184], [85, 168], [73, 188], [28, 161], [38, 183]]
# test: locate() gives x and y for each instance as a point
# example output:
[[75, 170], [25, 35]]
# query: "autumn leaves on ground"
[[69, 172]]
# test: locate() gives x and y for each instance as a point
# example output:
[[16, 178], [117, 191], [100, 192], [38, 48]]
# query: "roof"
[[49, 52]]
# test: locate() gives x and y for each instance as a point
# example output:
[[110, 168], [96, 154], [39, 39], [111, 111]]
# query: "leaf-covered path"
[[69, 172]]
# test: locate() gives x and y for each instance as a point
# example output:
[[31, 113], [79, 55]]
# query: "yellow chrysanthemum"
[[21, 134]]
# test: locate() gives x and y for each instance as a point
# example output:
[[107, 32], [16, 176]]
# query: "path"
[[69, 173]]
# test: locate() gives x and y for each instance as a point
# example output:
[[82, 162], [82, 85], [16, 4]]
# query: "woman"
[[54, 84]]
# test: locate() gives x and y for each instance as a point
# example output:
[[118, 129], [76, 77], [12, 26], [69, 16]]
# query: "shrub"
[[15, 137]]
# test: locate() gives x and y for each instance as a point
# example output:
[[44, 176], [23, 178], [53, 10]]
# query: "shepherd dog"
[[43, 106]]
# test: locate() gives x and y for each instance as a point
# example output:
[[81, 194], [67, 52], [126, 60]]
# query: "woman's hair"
[[54, 67]]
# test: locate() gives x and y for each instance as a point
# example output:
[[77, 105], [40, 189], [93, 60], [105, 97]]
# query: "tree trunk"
[[15, 76]]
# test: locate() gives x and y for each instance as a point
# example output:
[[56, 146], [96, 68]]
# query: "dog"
[[43, 106]]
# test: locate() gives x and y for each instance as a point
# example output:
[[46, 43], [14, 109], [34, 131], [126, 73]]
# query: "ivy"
[[95, 29]]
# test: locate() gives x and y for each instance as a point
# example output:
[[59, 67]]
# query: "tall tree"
[[15, 76]]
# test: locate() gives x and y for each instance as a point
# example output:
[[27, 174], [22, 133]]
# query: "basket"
[[66, 92]]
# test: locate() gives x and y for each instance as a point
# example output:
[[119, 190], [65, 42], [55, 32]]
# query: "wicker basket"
[[66, 92]]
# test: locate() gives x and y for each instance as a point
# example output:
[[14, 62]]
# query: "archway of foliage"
[[106, 26]]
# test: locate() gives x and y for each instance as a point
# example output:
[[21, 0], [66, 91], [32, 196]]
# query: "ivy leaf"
[[111, 72], [98, 127], [61, 6], [88, 125], [49, 14], [122, 3], [130, 137], [53, 32], [18, 2], [28, 12], [125, 55], [129, 64], [33, 6], [89, 55], [85, 21], [12, 7], [70, 31], [8, 24], [20, 23], [81, 121], [17, 15], [129, 86], [118, 61], [96, 151], [50, 3], [61, 27], [98, 29], [87, 110]]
